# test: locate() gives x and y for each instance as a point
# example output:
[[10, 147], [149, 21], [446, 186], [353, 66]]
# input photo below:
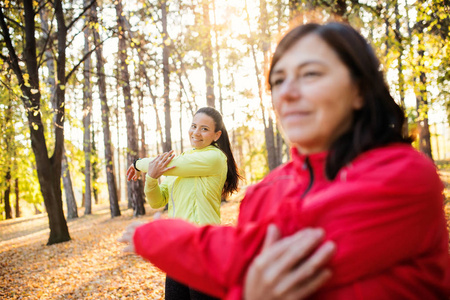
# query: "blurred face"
[[202, 132], [313, 95]]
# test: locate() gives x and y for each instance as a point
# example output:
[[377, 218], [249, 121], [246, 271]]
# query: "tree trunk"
[[208, 62], [422, 109], [8, 211], [135, 188], [87, 108], [109, 154], [95, 168], [140, 97], [72, 211], [16, 189], [119, 187], [167, 146], [48, 168], [217, 48], [401, 76]]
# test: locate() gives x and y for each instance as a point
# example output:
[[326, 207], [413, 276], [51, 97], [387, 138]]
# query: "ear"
[[217, 135], [358, 101]]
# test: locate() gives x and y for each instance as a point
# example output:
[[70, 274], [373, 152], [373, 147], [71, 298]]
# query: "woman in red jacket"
[[352, 174]]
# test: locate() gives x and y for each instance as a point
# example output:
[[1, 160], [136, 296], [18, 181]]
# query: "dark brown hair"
[[223, 143], [380, 120]]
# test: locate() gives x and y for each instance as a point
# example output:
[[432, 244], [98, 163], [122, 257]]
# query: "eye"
[[311, 73], [193, 126], [204, 129], [277, 81]]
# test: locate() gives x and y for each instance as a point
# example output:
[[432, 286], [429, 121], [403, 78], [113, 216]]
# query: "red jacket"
[[384, 211]]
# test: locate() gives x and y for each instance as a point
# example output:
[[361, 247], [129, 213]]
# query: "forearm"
[[212, 259], [155, 196]]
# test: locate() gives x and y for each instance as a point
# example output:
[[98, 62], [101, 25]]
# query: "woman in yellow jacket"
[[196, 181]]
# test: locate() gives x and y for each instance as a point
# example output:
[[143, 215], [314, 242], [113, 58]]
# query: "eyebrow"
[[309, 62], [205, 126]]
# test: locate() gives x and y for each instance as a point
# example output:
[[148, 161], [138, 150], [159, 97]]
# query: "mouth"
[[295, 116]]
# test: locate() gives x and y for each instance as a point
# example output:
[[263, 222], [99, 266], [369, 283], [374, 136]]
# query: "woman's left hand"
[[158, 166], [127, 237]]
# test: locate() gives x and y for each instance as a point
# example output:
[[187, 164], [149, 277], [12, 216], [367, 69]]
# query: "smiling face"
[[313, 94], [202, 132]]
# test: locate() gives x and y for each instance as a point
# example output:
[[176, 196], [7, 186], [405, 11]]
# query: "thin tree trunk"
[[422, 108], [119, 165], [72, 211], [140, 97], [16, 189], [87, 108], [8, 210], [401, 76], [167, 146], [95, 169], [135, 188], [109, 154], [217, 48], [208, 62]]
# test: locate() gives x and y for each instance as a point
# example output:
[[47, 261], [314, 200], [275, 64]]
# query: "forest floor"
[[91, 265]]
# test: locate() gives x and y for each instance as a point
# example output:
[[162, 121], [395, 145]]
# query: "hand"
[[132, 173], [289, 268], [157, 167], [127, 237]]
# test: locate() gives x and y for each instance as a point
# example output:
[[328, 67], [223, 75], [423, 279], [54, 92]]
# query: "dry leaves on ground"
[[90, 266]]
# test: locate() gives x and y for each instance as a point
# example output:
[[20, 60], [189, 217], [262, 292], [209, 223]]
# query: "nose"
[[289, 90], [197, 131]]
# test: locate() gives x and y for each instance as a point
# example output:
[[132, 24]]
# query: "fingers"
[[127, 236], [292, 250], [166, 157], [272, 235], [307, 290], [310, 272], [131, 172]]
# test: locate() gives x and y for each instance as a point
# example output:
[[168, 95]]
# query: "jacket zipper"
[[307, 165], [173, 202]]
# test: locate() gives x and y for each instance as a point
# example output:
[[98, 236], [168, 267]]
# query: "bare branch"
[[81, 14], [83, 59]]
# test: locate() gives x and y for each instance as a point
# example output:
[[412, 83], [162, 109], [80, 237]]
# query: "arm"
[[157, 195], [191, 164], [378, 220], [209, 258]]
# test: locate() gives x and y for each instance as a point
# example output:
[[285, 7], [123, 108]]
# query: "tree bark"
[[72, 211], [135, 188], [422, 108], [87, 108], [48, 168], [109, 154], [208, 62], [68, 189], [8, 211], [16, 189], [167, 146]]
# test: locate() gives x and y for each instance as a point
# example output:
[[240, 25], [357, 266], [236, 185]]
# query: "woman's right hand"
[[289, 268], [132, 173], [158, 166]]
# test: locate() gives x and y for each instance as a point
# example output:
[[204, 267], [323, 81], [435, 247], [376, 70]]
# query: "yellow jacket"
[[193, 188]]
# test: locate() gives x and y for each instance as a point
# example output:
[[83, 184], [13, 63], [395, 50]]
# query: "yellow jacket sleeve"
[[157, 195], [192, 163]]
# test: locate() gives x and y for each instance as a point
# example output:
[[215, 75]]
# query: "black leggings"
[[179, 291]]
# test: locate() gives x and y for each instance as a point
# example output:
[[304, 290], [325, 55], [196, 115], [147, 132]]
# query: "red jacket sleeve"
[[212, 259]]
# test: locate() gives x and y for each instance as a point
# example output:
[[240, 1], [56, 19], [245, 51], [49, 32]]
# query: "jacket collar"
[[316, 160]]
